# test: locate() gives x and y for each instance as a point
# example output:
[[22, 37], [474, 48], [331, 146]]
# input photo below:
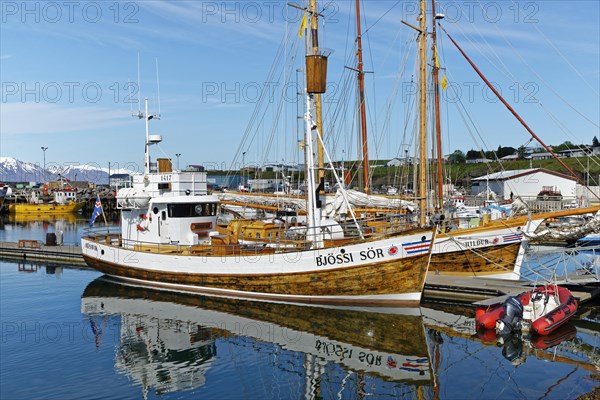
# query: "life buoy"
[[144, 223]]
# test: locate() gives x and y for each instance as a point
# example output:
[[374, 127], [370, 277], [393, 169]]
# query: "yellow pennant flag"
[[301, 144], [302, 26], [444, 82]]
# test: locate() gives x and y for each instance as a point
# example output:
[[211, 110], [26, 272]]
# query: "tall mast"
[[361, 99], [423, 114], [438, 129], [312, 210], [316, 84], [314, 29]]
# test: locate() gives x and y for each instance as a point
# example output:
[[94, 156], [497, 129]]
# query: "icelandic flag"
[[97, 210]]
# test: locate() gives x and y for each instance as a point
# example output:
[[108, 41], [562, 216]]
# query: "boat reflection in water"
[[168, 341], [67, 219]]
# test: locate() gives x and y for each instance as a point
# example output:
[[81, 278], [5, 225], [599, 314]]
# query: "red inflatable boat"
[[546, 308]]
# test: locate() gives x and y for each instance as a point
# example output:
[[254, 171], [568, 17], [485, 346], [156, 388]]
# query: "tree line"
[[458, 156]]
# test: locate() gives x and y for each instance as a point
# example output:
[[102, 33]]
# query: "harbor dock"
[[35, 250], [441, 289], [466, 291]]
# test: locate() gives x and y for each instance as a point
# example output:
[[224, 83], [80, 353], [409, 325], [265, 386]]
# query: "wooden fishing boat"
[[169, 240], [544, 309]]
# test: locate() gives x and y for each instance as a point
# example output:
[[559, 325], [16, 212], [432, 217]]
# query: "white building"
[[398, 162], [541, 156], [479, 161], [573, 153], [281, 167], [512, 157], [524, 183]]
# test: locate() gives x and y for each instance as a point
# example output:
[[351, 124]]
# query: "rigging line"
[[250, 126], [380, 18], [523, 123], [493, 61], [512, 78], [278, 113], [264, 95], [393, 95], [500, 61], [556, 93], [460, 107], [341, 103], [373, 100], [565, 130], [340, 109], [562, 56], [270, 77]]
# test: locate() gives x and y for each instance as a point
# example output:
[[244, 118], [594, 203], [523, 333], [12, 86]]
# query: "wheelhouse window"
[[189, 210]]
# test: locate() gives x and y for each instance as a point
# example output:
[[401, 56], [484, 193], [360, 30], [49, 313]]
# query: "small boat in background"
[[64, 202], [541, 311], [591, 240]]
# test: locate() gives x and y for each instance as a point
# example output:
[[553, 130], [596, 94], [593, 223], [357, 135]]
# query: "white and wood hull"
[[495, 252], [388, 271]]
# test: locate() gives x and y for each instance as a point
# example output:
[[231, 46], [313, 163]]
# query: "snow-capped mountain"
[[13, 170]]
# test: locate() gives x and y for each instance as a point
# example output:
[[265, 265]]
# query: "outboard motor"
[[513, 315]]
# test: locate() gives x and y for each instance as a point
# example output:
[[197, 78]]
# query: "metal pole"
[[243, 164], [177, 155], [44, 172]]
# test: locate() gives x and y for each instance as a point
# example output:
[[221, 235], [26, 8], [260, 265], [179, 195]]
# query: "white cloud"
[[36, 118]]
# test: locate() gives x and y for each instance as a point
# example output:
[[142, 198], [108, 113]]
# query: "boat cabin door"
[[164, 232]]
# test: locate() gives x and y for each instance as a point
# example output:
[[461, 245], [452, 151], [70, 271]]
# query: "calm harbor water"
[[69, 333]]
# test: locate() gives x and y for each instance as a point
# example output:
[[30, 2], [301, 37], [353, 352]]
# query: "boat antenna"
[[128, 97], [157, 86], [139, 114], [146, 149]]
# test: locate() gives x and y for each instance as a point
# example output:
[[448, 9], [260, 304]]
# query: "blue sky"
[[67, 69]]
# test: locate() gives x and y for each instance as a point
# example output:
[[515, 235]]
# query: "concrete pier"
[[36, 250]]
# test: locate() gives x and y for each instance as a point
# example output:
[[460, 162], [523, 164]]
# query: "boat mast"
[[423, 115], [361, 99], [314, 36], [316, 84], [312, 211], [438, 129]]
